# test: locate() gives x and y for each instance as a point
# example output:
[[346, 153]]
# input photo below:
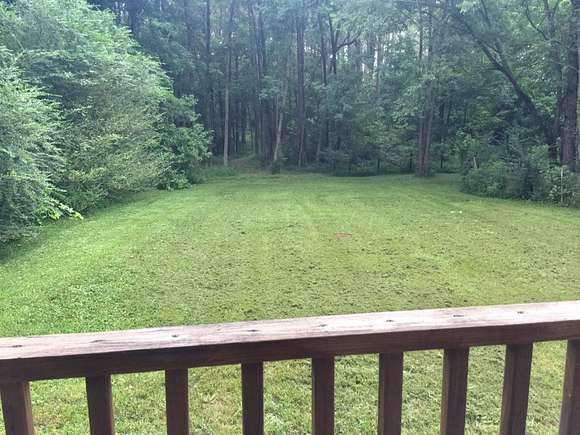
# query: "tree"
[[229, 30], [491, 72], [300, 87]]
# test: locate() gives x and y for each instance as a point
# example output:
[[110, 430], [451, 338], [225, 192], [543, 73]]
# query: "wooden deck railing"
[[97, 356]]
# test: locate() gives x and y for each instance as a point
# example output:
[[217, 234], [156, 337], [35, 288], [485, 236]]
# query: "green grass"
[[266, 247]]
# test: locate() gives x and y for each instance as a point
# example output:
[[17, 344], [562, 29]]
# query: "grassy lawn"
[[262, 247]]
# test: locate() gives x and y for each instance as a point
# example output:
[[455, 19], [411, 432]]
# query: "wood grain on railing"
[[323, 396], [81, 355], [570, 417], [177, 401], [100, 402], [97, 356], [455, 366], [516, 386], [390, 393], [17, 408], [253, 398]]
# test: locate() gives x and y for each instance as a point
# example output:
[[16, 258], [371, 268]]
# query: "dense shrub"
[[531, 178], [28, 156], [108, 92], [85, 115], [184, 143]]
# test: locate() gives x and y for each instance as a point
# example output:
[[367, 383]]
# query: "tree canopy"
[[410, 83]]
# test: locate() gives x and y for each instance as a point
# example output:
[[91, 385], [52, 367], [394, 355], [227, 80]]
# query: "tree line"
[[110, 92], [487, 87]]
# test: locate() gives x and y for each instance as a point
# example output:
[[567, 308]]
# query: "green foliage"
[[217, 171], [29, 159], [86, 117], [561, 186], [372, 73], [532, 178], [184, 143], [108, 92]]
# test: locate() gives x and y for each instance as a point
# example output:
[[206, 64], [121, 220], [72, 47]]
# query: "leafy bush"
[[184, 143], [108, 92], [28, 156], [533, 178], [562, 186]]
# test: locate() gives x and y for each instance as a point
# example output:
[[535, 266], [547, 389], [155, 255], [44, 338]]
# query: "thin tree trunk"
[[379, 67], [324, 61], [569, 130], [209, 100], [257, 61], [558, 71], [300, 100], [426, 121], [280, 108], [228, 83], [333, 46], [576, 7]]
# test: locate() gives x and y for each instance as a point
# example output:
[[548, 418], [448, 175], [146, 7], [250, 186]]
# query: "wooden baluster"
[[253, 398], [390, 393], [177, 402], [455, 366], [516, 389], [17, 408], [100, 402], [323, 396], [570, 416]]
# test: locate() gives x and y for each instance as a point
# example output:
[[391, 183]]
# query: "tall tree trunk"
[[333, 46], [281, 107], [324, 66], [209, 100], [280, 115], [570, 105], [426, 121], [558, 72], [228, 82], [300, 100], [379, 66], [576, 35], [425, 132], [576, 7], [256, 56], [243, 125], [267, 115], [187, 84]]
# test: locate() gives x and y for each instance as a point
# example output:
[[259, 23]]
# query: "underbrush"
[[499, 179]]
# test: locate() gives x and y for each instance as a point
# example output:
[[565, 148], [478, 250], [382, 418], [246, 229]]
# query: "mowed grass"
[[262, 247]]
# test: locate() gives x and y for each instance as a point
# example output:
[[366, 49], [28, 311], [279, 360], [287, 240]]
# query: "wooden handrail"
[[97, 356]]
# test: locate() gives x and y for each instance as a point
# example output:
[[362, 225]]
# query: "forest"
[[104, 98]]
